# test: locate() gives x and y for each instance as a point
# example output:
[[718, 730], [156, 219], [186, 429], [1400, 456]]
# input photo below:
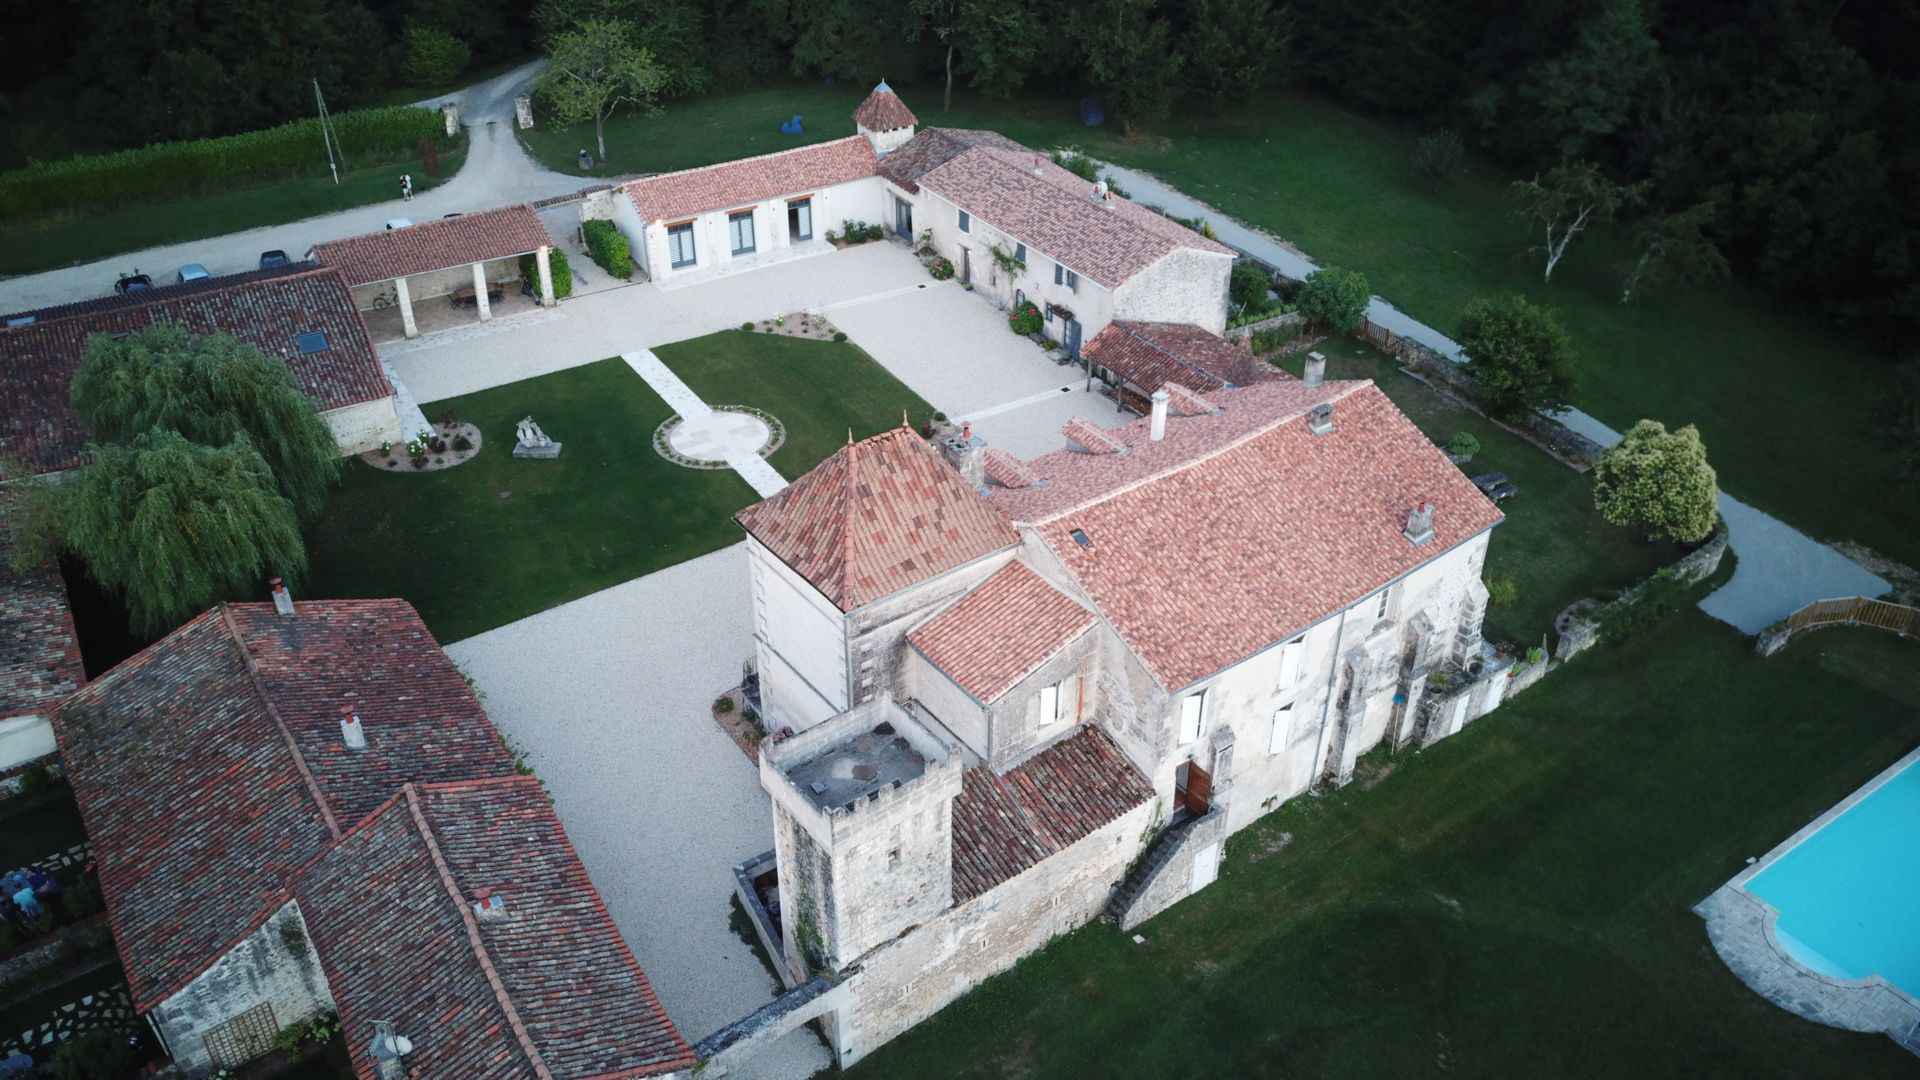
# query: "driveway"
[[608, 697]]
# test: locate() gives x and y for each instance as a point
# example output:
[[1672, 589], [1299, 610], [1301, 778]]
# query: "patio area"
[[440, 314]]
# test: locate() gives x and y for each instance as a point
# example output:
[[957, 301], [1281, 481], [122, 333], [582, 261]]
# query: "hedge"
[[557, 265], [176, 167], [608, 246]]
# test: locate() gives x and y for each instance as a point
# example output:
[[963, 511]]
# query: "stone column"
[[544, 258], [406, 307], [480, 291]]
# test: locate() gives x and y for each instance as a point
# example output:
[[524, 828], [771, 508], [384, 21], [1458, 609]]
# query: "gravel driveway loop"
[[608, 696], [1779, 571]]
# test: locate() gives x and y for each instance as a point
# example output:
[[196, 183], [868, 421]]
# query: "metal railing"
[[1857, 611]]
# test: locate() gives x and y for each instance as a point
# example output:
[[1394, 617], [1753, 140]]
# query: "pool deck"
[[1741, 927]]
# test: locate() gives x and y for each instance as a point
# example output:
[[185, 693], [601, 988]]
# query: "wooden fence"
[[1857, 611]]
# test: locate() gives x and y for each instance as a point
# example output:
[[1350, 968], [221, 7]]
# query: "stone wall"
[[275, 966], [1183, 286], [363, 427], [1247, 330], [1455, 379], [1165, 876]]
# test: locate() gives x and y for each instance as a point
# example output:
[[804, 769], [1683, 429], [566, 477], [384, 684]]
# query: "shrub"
[[1025, 319], [167, 169], [461, 442], [839, 335], [1662, 595], [858, 232], [557, 265], [435, 58], [419, 461], [101, 1053], [1660, 480], [1536, 654], [748, 326], [1247, 289], [82, 898], [723, 705], [1463, 444], [608, 247], [940, 268], [1521, 359], [35, 780], [1265, 341], [1502, 591], [1336, 299], [1438, 155]]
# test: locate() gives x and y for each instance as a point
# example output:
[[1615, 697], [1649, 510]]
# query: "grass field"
[[1513, 902], [27, 246], [1781, 403]]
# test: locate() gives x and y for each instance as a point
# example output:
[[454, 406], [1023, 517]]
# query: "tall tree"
[[593, 70], [1128, 52], [1522, 360], [940, 20], [1235, 48], [850, 39], [1674, 247], [674, 31], [208, 389], [1588, 92], [1566, 201], [1000, 43], [173, 527], [1659, 479]]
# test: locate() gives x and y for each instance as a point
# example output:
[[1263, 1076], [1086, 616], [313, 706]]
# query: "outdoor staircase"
[[1148, 869]]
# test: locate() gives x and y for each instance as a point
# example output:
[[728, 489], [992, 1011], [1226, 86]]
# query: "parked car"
[[193, 272], [1495, 486], [399, 223], [271, 259], [456, 213], [132, 283]]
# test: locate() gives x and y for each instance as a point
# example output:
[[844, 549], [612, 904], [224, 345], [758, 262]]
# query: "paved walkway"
[[680, 397], [608, 697], [1780, 569]]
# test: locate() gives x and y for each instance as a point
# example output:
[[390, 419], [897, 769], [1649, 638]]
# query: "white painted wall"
[[363, 427], [800, 642], [857, 200], [24, 738], [640, 239], [1092, 304]]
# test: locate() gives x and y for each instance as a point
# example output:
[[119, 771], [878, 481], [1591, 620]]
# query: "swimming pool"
[[1848, 893]]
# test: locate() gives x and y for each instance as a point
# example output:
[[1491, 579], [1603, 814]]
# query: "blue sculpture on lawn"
[[791, 127]]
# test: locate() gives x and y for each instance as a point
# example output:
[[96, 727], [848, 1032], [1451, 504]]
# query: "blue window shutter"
[[1020, 252], [1059, 274], [966, 222]]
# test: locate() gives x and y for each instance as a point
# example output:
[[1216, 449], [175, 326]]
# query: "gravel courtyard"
[[608, 697]]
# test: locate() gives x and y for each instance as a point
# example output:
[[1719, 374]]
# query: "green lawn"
[[1553, 546], [498, 538], [820, 390], [30, 245], [1782, 403], [1513, 902]]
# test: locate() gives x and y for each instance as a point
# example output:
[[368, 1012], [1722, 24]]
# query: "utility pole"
[[326, 131]]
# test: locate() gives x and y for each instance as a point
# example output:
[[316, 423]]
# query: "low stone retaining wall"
[[1291, 318], [1578, 625], [88, 934]]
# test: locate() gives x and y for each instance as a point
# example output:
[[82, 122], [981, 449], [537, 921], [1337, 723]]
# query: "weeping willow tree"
[[209, 389], [174, 526]]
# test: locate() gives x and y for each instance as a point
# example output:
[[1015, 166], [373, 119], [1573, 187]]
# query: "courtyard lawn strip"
[[499, 538], [1512, 902], [819, 389], [1782, 403], [1554, 546]]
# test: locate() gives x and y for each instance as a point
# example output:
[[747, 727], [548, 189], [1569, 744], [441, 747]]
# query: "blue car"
[[192, 272], [271, 259]]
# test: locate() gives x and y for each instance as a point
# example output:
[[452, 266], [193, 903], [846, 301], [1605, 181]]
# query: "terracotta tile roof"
[[1184, 402], [1006, 470], [884, 111], [1051, 210], [1004, 824], [39, 652], [111, 301], [750, 180], [550, 990], [876, 517], [1149, 355], [269, 311], [1001, 631], [1091, 437], [1242, 528], [207, 767], [934, 147], [440, 244]]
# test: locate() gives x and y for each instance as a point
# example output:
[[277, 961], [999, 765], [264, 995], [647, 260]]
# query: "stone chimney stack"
[[489, 906], [1420, 523], [1316, 369], [1157, 426], [351, 731], [967, 453], [282, 599], [1320, 419]]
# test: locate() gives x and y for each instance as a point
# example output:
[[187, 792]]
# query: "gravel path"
[[608, 696]]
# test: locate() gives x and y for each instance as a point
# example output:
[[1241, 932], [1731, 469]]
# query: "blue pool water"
[[1849, 895]]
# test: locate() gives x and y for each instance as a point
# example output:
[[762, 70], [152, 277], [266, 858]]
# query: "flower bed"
[[452, 442], [798, 324]]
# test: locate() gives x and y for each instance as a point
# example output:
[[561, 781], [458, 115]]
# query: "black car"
[[1495, 486], [271, 259], [132, 283]]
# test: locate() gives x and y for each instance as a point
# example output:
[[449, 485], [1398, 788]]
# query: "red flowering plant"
[[1025, 319]]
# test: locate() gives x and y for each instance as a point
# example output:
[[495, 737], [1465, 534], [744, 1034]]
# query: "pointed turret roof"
[[884, 111], [878, 516]]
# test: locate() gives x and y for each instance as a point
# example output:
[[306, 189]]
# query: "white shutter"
[[804, 213], [1191, 707], [1049, 704], [1282, 729], [740, 231], [1291, 655]]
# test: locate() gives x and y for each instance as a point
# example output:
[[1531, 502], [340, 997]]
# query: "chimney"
[[1420, 523], [1316, 370], [489, 906], [1157, 427], [282, 599], [1320, 419], [966, 452], [1100, 193], [351, 733], [1039, 165], [388, 1048]]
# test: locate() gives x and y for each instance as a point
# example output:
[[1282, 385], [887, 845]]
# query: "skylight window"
[[312, 341], [1080, 537]]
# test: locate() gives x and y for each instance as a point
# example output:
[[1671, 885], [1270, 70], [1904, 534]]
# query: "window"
[[1291, 655], [1380, 608], [1073, 282], [312, 341], [1049, 704], [1191, 708], [1020, 252], [1282, 729], [740, 231], [680, 245], [966, 222], [1064, 276]]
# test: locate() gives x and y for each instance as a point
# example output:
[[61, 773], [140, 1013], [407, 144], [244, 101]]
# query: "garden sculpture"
[[791, 127], [533, 443]]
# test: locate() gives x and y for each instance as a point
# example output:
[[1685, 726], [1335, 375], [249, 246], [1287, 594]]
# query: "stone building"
[[462, 253], [1009, 695], [298, 809], [39, 657]]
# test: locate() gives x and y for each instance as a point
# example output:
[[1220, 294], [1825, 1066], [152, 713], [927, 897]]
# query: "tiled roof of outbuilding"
[[440, 244], [732, 184], [884, 111], [39, 652], [1241, 528], [1002, 825], [208, 767], [548, 990], [268, 310], [1149, 355], [934, 147], [1001, 631], [875, 517]]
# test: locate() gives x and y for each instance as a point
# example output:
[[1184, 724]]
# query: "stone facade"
[[275, 966], [363, 427], [1184, 856], [1184, 286]]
